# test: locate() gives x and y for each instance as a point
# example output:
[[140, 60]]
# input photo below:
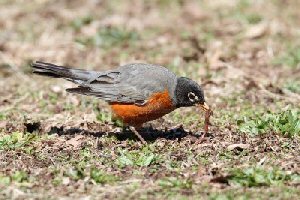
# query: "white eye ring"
[[192, 97]]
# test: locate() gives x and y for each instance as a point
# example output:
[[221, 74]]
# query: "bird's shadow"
[[149, 134]]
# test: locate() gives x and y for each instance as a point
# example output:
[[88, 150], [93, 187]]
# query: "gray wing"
[[132, 83]]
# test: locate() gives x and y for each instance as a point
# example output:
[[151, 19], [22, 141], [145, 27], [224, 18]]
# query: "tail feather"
[[48, 69], [79, 90], [55, 71]]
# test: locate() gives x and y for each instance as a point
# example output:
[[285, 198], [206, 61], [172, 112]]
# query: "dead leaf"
[[238, 146], [76, 141], [256, 31], [2, 124]]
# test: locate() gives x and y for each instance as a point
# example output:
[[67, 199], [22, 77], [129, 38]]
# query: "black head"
[[188, 93]]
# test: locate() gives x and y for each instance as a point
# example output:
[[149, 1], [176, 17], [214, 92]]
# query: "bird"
[[137, 92]]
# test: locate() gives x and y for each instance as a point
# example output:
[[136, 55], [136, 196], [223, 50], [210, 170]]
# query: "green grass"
[[290, 58], [282, 192], [175, 182], [19, 177], [142, 158], [17, 140], [79, 22], [286, 122], [101, 177], [2, 116], [248, 18], [4, 180], [293, 86], [107, 164], [75, 173], [229, 196], [189, 118], [258, 176], [104, 117], [107, 117], [109, 37], [253, 18], [242, 13], [91, 173]]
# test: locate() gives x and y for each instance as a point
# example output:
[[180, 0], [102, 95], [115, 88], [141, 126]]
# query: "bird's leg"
[[133, 129]]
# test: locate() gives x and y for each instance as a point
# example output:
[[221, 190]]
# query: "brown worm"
[[208, 113]]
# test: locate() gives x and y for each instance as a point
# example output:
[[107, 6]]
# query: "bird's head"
[[189, 93]]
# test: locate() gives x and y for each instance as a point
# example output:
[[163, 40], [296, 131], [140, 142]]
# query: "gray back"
[[131, 83]]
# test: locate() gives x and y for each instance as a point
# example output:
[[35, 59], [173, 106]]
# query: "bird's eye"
[[192, 97]]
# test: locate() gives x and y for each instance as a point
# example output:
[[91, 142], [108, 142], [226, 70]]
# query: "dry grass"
[[245, 53]]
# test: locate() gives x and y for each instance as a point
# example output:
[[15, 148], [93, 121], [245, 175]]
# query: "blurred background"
[[245, 54]]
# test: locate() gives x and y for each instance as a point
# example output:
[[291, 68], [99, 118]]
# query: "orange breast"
[[157, 106]]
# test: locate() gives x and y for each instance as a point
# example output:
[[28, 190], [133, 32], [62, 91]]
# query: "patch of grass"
[[101, 177], [293, 86], [286, 122], [188, 119], [4, 180], [2, 116], [253, 18], [68, 106], [107, 117], [53, 97], [242, 14], [282, 192], [75, 173], [248, 18], [109, 37], [174, 66], [86, 154], [226, 155], [291, 58], [167, 3], [257, 176], [57, 181], [243, 4], [174, 182], [142, 158], [246, 111], [228, 196], [16, 140], [81, 21], [80, 172], [103, 117], [20, 176], [17, 177], [173, 165]]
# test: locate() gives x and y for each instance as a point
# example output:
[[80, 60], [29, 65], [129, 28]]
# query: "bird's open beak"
[[204, 107]]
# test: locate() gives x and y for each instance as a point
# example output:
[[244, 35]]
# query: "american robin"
[[136, 92]]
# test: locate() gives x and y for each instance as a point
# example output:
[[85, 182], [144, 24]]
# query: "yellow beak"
[[204, 106]]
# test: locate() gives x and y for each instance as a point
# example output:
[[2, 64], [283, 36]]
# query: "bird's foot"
[[137, 134], [204, 137]]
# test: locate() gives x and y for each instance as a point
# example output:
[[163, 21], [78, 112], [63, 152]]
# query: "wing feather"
[[132, 83]]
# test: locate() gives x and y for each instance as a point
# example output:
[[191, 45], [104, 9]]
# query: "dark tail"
[[48, 69]]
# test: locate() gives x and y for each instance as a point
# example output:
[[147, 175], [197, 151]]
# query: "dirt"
[[245, 54]]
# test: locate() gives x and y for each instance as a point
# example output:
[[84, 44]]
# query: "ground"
[[244, 53]]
